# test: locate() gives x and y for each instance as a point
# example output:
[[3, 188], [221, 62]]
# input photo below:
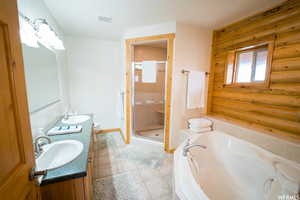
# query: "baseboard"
[[170, 150], [123, 136], [108, 130], [118, 130]]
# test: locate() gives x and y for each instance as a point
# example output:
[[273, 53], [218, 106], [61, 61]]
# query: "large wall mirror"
[[42, 77]]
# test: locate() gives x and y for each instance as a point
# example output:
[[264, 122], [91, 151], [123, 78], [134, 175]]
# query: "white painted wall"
[[192, 52], [36, 9], [95, 78], [155, 29], [96, 71]]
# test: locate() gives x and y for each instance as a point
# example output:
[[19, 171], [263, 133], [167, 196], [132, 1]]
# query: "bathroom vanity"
[[73, 180]]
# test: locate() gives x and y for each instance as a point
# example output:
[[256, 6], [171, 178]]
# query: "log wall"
[[275, 109]]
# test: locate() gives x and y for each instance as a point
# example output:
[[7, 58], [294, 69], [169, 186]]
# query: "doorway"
[[149, 67], [148, 88]]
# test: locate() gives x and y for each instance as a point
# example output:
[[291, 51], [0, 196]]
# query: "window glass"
[[244, 65], [261, 65], [247, 65]]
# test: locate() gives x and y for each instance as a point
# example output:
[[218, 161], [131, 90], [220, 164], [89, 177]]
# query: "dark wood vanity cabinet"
[[73, 189], [88, 180]]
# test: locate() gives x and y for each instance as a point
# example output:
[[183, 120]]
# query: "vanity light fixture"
[[47, 35], [27, 32], [39, 31]]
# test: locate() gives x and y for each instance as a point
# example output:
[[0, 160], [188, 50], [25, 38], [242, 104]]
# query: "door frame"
[[168, 89]]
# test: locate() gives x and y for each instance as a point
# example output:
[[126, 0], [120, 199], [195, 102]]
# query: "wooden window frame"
[[233, 60]]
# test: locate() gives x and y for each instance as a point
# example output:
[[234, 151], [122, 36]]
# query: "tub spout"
[[187, 147]]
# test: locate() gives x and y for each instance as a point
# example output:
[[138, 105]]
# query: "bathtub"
[[230, 168]]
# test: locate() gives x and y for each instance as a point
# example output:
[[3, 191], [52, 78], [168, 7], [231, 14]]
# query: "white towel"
[[200, 123], [60, 130], [200, 130], [149, 71], [195, 90]]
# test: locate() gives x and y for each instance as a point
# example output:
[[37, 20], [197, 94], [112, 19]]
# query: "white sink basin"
[[76, 119], [58, 154]]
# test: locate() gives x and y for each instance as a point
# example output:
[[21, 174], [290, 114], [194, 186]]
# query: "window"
[[248, 66]]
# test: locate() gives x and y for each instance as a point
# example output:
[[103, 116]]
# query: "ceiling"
[[80, 17]]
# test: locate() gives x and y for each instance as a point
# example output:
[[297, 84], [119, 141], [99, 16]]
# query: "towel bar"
[[187, 71]]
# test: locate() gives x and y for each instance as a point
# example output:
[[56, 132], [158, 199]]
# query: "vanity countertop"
[[78, 167]]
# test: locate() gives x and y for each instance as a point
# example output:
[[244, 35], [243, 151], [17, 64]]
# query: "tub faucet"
[[66, 116], [188, 146], [38, 146]]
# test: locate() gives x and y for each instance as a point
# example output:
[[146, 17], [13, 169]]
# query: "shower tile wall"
[[149, 105]]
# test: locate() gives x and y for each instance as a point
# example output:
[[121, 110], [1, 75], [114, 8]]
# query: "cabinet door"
[[16, 149], [88, 182]]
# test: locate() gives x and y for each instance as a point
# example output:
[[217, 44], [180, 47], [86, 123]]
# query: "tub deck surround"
[[78, 167], [287, 149], [231, 168]]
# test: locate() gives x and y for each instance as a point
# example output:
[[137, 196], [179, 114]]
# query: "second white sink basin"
[[58, 154], [75, 119]]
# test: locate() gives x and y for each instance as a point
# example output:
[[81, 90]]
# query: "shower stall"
[[149, 90]]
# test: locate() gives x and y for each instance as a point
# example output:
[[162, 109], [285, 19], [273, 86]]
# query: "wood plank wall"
[[275, 109]]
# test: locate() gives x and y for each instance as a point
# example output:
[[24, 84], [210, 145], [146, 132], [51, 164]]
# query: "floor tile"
[[158, 187], [125, 186], [148, 174], [138, 171], [107, 170], [166, 197]]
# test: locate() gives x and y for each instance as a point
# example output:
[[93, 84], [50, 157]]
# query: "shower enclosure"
[[149, 90]]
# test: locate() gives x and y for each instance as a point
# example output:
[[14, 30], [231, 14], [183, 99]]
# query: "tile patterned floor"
[[138, 171]]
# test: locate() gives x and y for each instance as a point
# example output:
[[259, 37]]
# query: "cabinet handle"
[[34, 175]]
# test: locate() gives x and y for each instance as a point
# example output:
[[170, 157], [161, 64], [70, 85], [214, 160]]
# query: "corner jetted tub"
[[232, 169]]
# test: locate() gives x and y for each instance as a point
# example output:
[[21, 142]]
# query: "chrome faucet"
[[38, 146], [66, 116], [188, 146]]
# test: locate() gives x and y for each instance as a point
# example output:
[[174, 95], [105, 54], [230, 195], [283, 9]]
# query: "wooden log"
[[288, 51], [220, 68], [286, 64], [219, 77], [283, 25], [257, 91], [279, 100], [287, 38], [281, 112], [290, 87], [254, 126], [211, 78], [233, 45], [287, 25], [277, 13], [281, 124], [285, 77]]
